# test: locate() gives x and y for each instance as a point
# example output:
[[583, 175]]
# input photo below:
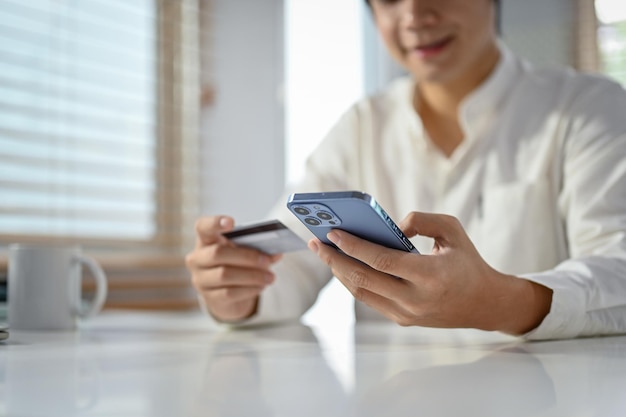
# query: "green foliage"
[[613, 55]]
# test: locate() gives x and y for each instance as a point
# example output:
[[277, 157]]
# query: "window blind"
[[99, 126], [98, 120]]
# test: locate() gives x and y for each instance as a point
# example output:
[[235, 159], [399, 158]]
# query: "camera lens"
[[312, 221], [301, 210], [324, 215]]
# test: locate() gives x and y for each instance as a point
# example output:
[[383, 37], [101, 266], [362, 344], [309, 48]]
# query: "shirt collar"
[[482, 104], [478, 108]]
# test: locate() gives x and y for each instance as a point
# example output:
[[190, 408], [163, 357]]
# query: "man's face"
[[437, 41]]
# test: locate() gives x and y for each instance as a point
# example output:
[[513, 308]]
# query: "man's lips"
[[431, 49]]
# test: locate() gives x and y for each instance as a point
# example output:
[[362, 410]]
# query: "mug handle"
[[101, 287]]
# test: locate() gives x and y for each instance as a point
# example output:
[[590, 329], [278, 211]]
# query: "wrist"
[[524, 304], [234, 313]]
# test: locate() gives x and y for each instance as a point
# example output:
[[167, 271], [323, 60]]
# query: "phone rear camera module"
[[312, 221], [324, 215], [302, 211]]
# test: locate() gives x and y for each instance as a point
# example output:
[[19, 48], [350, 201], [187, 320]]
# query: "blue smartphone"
[[355, 212]]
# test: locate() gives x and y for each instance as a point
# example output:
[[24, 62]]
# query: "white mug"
[[44, 287]]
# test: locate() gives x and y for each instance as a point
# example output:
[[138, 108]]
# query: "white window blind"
[[97, 119], [78, 118]]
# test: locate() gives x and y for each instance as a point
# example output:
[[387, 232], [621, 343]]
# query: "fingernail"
[[223, 222], [313, 246], [264, 260], [333, 237], [269, 278]]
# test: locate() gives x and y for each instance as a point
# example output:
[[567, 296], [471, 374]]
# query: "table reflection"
[[166, 365], [509, 383], [274, 371], [64, 381]]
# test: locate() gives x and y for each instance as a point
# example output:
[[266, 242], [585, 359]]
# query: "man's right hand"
[[228, 277]]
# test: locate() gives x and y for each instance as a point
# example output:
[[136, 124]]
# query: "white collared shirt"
[[539, 183]]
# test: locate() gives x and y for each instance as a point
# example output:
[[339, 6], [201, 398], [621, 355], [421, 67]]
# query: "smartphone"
[[355, 212]]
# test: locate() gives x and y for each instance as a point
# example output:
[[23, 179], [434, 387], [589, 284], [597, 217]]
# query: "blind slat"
[[126, 192], [12, 138], [71, 167], [110, 21], [79, 122], [100, 98]]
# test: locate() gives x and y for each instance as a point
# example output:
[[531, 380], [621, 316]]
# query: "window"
[[324, 71], [87, 147], [612, 38], [99, 104], [78, 125], [324, 76]]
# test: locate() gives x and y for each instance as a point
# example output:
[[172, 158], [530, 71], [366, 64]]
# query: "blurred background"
[[122, 121]]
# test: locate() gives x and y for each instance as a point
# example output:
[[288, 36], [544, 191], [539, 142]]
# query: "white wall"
[[379, 67], [243, 133], [542, 31]]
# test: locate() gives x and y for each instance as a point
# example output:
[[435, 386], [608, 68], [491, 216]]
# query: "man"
[[528, 165]]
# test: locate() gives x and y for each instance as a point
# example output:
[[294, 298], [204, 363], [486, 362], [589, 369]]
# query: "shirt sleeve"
[[589, 289]]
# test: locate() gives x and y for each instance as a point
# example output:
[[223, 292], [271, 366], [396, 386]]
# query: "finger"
[[222, 255], [388, 308], [229, 276], [209, 229], [357, 276], [439, 226], [390, 261], [275, 258]]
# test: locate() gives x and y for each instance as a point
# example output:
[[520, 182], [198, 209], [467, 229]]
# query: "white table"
[[149, 364]]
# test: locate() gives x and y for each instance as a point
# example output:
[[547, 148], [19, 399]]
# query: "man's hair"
[[497, 2]]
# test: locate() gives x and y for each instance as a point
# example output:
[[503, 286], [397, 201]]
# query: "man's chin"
[[431, 77]]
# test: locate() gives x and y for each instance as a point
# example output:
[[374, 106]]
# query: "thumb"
[[209, 229], [441, 227]]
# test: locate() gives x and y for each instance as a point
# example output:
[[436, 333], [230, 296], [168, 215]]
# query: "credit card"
[[271, 237]]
